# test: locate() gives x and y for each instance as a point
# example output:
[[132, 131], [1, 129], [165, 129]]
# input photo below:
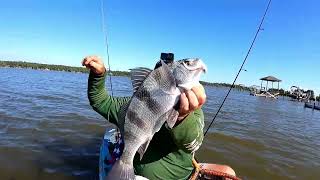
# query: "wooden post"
[[267, 86]]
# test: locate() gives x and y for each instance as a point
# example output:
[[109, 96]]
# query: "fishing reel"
[[167, 58]]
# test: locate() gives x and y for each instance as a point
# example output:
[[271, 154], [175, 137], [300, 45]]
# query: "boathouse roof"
[[271, 78]]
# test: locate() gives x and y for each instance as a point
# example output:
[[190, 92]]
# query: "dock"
[[264, 91], [312, 105]]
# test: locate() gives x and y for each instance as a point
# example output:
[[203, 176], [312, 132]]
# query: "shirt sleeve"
[[188, 135], [101, 101]]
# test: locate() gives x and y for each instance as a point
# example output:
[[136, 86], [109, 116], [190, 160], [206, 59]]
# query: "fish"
[[155, 95]]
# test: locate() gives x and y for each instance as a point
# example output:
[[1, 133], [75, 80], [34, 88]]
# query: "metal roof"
[[271, 78]]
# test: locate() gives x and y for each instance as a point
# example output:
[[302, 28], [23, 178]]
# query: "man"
[[170, 153]]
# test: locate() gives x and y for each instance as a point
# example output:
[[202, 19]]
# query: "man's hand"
[[190, 101], [95, 64]]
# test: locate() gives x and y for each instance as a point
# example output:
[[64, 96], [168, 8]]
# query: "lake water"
[[49, 131]]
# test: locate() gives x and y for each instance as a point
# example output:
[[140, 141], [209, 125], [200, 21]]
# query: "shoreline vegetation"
[[39, 66]]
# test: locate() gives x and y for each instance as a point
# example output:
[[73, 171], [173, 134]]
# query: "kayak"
[[208, 171], [111, 150]]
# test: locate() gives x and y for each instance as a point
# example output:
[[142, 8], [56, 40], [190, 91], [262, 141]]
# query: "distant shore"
[[29, 65]]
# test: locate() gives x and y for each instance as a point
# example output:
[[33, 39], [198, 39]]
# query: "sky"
[[219, 32]]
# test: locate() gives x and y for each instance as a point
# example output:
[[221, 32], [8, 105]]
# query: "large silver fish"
[[156, 92]]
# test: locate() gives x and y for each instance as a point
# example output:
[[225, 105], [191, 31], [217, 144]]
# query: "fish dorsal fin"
[[138, 75]]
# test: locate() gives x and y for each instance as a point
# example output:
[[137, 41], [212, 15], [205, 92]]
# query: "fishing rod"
[[241, 68], [104, 30]]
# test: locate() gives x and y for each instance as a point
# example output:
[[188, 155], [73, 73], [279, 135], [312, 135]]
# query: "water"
[[49, 131]]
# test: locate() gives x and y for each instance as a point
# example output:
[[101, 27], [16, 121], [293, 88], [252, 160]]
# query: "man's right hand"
[[95, 64]]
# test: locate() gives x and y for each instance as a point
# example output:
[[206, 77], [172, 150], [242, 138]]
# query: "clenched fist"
[[191, 100], [95, 64]]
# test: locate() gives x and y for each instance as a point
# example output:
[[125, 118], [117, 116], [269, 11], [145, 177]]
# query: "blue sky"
[[219, 32]]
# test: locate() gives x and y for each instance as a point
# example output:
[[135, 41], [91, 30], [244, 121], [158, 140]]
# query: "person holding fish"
[[161, 124]]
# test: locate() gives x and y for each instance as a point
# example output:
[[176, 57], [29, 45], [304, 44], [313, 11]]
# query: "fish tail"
[[121, 171]]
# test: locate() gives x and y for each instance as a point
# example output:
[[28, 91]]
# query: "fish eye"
[[187, 62]]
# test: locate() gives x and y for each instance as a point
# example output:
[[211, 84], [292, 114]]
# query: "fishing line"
[[244, 61], [104, 29]]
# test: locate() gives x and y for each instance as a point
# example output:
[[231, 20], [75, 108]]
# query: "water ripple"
[[49, 131]]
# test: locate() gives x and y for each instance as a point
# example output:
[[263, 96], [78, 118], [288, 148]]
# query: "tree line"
[[29, 65], [237, 87]]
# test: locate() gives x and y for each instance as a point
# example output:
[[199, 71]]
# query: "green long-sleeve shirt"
[[169, 155]]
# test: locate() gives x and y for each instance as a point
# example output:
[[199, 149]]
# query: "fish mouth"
[[200, 66], [203, 68]]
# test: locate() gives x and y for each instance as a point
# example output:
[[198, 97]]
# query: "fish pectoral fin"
[[143, 148], [138, 75], [172, 117]]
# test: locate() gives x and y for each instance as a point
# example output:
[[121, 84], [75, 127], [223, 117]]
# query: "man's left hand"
[[191, 100]]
